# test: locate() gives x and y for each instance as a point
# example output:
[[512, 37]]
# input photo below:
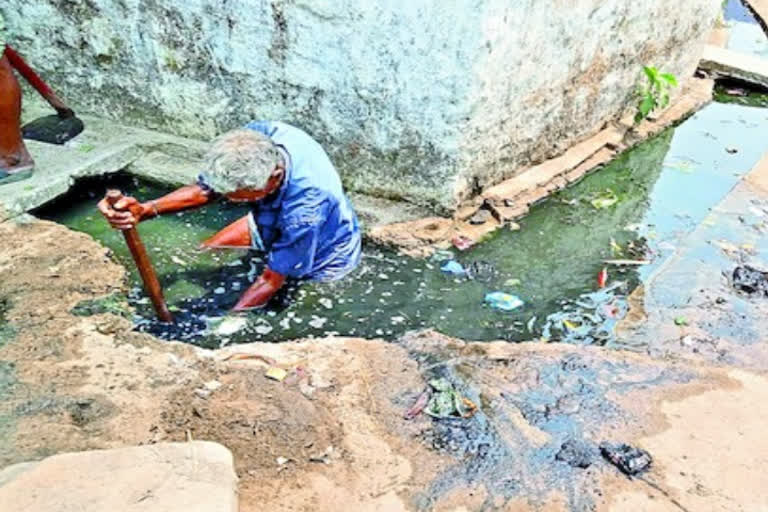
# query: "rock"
[[212, 385], [576, 453], [481, 217], [195, 477]]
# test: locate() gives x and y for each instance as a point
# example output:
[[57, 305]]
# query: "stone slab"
[[197, 476], [545, 172], [728, 63]]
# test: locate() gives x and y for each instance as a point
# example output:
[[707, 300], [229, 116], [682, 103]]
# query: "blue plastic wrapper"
[[503, 301], [453, 267]]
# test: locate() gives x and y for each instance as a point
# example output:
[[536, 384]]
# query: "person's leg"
[[14, 156]]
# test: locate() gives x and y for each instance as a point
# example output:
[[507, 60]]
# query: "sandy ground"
[[337, 438]]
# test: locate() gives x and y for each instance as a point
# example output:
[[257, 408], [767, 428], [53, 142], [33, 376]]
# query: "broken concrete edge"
[[512, 199], [723, 63]]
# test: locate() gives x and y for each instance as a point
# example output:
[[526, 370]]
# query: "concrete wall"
[[425, 100]]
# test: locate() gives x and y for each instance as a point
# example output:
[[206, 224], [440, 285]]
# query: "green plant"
[[654, 93]]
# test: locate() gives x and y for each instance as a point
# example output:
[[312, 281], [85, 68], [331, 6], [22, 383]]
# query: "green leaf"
[[670, 79], [652, 73], [646, 105], [681, 321]]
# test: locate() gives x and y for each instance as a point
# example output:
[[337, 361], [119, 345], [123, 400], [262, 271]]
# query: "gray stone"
[[424, 101], [731, 64], [187, 477]]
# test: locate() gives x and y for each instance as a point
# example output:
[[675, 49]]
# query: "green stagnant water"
[[664, 188]]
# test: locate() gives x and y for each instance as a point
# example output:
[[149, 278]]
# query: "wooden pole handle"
[[143, 263]]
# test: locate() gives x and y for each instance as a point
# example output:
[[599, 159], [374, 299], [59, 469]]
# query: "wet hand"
[[125, 213], [258, 295]]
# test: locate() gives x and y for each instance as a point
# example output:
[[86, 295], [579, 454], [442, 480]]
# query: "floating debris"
[[503, 301], [605, 199], [453, 268], [226, 326], [263, 329], [326, 303], [602, 278], [317, 322]]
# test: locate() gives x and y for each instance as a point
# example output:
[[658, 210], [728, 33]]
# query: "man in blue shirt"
[[301, 217]]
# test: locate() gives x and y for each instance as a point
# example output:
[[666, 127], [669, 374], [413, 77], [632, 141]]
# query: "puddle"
[[665, 188]]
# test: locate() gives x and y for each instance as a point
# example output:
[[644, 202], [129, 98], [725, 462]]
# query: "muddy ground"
[[337, 439]]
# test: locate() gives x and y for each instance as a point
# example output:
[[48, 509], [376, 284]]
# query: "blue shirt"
[[308, 226]]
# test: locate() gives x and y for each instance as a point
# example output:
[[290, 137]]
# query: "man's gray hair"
[[240, 159]]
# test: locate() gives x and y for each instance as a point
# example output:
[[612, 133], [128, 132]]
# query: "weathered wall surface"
[[426, 101]]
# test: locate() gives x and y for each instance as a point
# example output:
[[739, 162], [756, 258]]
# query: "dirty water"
[[664, 189]]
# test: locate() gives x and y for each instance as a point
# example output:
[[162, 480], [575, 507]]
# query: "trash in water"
[[631, 461], [588, 320], [627, 263], [481, 270], [577, 454], [503, 301], [178, 261], [736, 92], [731, 150], [750, 280], [605, 199], [453, 268], [616, 248], [276, 373], [418, 406], [602, 278], [531, 324], [681, 321], [570, 325], [446, 402], [326, 303], [462, 243], [263, 329], [226, 326], [441, 255], [512, 282]]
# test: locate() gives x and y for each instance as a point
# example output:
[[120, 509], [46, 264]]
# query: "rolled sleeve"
[[294, 252]]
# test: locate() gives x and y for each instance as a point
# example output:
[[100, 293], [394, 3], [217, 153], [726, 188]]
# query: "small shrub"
[[654, 94]]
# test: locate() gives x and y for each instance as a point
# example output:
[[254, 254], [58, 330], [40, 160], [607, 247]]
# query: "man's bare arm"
[[128, 212]]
